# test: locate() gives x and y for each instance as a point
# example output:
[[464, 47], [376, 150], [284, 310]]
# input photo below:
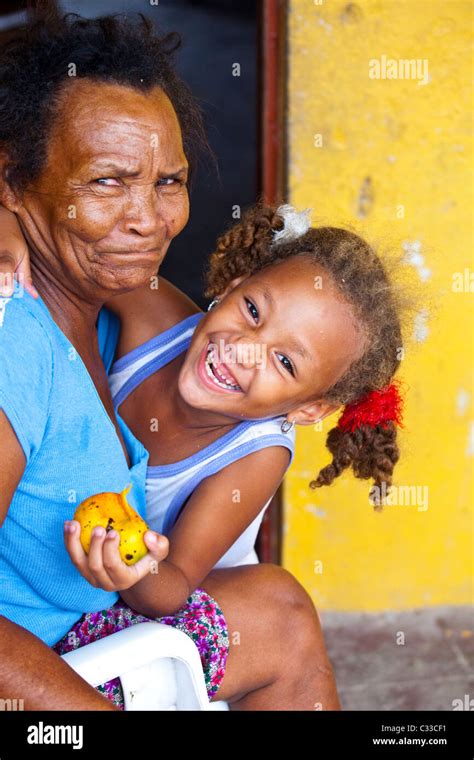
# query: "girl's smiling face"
[[275, 343]]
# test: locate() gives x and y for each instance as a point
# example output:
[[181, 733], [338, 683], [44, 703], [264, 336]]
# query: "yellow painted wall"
[[414, 142]]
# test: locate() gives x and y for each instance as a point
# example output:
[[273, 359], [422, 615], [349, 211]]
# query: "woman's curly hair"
[[35, 67], [246, 248]]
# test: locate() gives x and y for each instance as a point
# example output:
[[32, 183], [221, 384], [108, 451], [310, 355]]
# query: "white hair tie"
[[295, 223]]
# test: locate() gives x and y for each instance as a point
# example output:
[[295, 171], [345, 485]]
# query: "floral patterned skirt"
[[200, 618]]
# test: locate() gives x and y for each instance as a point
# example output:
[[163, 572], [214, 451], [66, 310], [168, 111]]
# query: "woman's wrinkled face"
[[112, 194], [276, 342]]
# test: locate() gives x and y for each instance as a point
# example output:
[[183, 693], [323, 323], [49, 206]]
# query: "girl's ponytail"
[[365, 439]]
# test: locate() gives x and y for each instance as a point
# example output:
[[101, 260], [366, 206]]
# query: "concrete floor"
[[433, 667]]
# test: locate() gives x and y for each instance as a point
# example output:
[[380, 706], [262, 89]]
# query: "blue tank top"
[[169, 486], [71, 450]]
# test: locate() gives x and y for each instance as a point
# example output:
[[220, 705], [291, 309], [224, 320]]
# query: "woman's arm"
[[29, 669], [217, 513], [148, 311], [14, 255], [33, 672]]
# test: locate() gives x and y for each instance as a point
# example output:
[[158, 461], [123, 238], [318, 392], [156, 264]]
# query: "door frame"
[[272, 183]]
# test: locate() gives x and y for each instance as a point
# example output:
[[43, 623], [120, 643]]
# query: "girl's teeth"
[[223, 383]]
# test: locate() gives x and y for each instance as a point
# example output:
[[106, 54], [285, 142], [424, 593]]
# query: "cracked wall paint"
[[463, 398], [470, 441], [414, 256]]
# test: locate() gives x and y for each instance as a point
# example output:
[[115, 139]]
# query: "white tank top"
[[169, 486]]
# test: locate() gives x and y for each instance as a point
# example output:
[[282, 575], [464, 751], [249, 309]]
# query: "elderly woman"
[[81, 102]]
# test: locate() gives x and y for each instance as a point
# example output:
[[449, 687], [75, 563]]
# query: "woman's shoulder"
[[149, 311], [26, 369], [26, 351], [175, 305], [24, 327]]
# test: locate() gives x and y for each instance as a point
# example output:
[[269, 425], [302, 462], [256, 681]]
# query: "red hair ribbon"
[[376, 408]]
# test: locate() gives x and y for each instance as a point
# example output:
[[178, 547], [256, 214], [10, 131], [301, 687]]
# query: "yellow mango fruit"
[[113, 512]]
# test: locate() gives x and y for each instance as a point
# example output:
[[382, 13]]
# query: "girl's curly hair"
[[246, 248]]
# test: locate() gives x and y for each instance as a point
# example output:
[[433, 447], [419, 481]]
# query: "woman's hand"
[[103, 567], [14, 256]]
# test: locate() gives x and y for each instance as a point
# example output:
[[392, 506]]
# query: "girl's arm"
[[148, 311], [14, 255], [217, 513]]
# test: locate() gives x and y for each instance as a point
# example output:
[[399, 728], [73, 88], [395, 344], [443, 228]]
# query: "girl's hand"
[[14, 256], [103, 567]]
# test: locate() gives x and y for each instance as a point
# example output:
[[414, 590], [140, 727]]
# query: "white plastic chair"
[[159, 666]]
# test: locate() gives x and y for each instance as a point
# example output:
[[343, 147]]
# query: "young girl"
[[303, 321]]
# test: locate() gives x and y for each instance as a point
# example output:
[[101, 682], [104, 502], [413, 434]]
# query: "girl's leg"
[[277, 658]]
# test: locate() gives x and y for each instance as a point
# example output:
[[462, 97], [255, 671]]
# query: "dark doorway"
[[229, 59]]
